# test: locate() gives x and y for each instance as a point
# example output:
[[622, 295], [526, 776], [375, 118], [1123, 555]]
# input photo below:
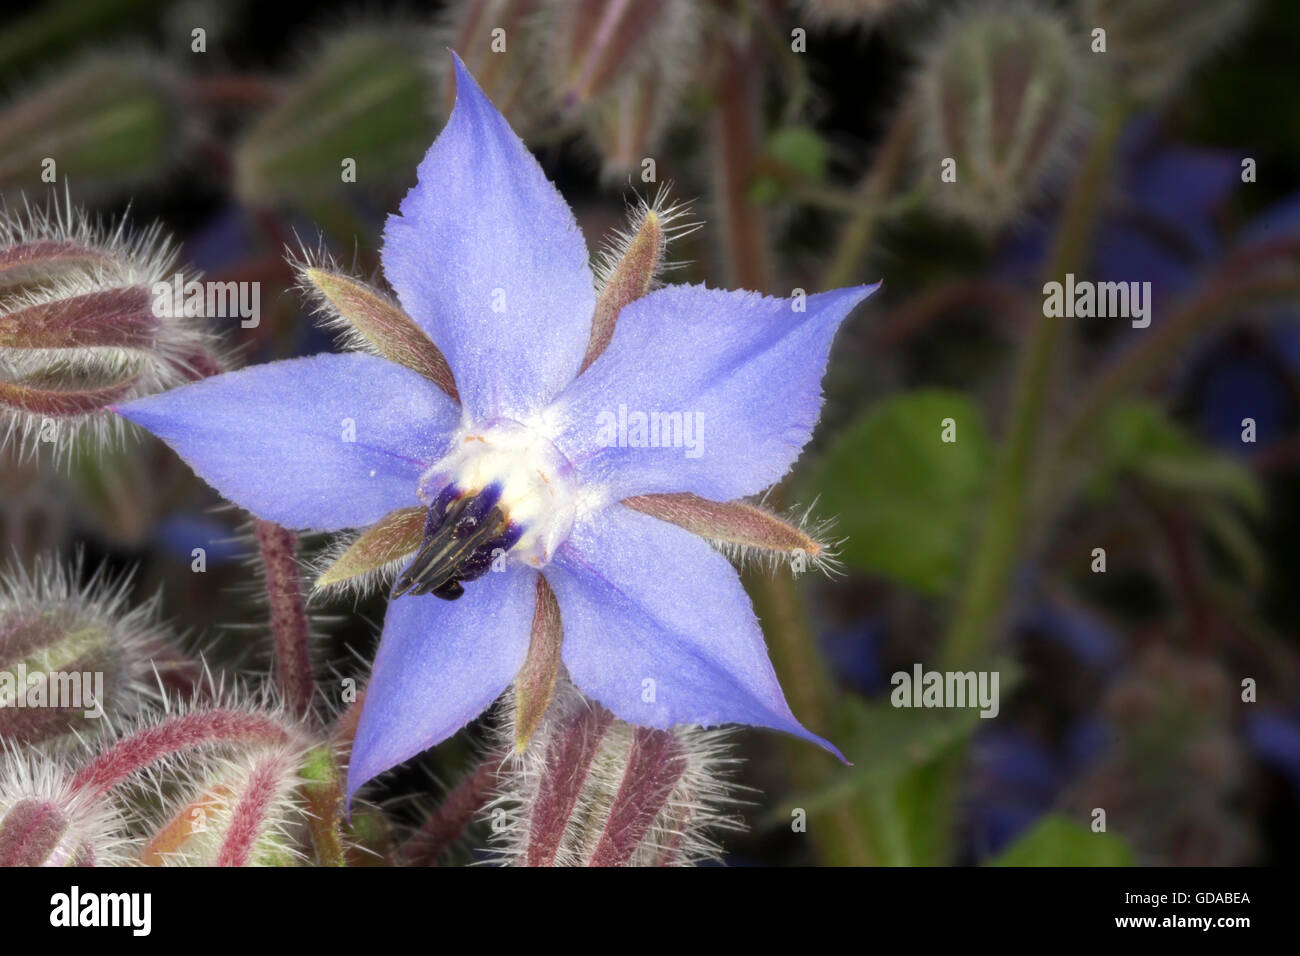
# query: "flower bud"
[[359, 114], [626, 126], [44, 822], [74, 659], [622, 68], [597, 43], [1151, 46], [81, 327], [1000, 98], [240, 811], [108, 124], [591, 790], [1171, 776]]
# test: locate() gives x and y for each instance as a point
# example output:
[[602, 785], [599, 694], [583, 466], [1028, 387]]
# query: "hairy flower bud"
[[622, 68], [74, 658], [1152, 46], [596, 45], [44, 821], [1000, 97], [626, 126], [80, 326], [1171, 777], [240, 781], [107, 124], [359, 114], [591, 790], [241, 811]]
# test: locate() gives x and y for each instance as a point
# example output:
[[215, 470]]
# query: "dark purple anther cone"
[[462, 534]]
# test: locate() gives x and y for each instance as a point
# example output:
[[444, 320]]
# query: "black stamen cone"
[[461, 533]]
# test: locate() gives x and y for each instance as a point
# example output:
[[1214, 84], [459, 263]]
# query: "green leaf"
[[1140, 442], [797, 150], [801, 149], [1139, 439], [1056, 840], [904, 497]]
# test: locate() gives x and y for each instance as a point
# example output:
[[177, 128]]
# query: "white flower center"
[[536, 484]]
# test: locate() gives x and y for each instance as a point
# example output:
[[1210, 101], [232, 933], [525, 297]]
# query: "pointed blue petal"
[[486, 256], [440, 664], [658, 628], [738, 374], [320, 443]]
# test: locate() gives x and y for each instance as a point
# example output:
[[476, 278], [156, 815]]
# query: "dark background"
[[1127, 686]]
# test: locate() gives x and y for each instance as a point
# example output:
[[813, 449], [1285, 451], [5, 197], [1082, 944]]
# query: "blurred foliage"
[[239, 150], [1058, 841], [892, 783], [903, 493], [1139, 439], [112, 122], [367, 97]]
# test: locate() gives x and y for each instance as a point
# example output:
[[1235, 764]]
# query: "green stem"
[[736, 137], [322, 790], [806, 679], [874, 187], [290, 628], [840, 836], [980, 605]]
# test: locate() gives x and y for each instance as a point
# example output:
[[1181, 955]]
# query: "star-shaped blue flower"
[[526, 475]]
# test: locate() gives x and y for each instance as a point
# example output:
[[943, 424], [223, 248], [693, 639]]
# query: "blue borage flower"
[[511, 469]]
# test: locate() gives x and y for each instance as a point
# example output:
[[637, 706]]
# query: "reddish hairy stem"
[[174, 735], [449, 820], [736, 138], [251, 812], [289, 629]]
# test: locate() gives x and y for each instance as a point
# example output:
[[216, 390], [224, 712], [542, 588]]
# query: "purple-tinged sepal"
[[591, 790], [747, 532], [86, 321], [369, 320]]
